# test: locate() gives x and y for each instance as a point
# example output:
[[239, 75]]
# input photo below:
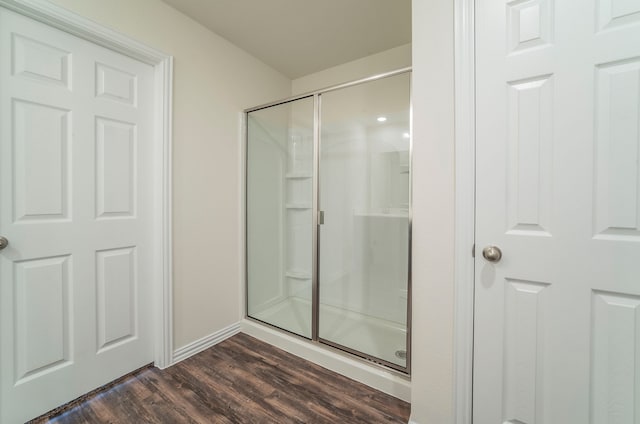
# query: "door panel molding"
[[556, 329], [464, 100], [62, 19]]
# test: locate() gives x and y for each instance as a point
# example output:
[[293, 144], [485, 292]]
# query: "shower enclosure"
[[328, 217]]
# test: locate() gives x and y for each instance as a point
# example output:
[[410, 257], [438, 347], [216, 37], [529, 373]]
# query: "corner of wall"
[[204, 343], [433, 226]]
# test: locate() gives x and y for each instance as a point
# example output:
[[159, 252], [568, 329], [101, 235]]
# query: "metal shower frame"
[[315, 288]]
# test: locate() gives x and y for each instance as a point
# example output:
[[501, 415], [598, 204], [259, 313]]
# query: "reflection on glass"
[[364, 242], [279, 228]]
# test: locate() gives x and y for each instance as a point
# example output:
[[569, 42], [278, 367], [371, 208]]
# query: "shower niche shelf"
[[298, 274], [298, 178], [393, 213], [301, 206], [298, 175]]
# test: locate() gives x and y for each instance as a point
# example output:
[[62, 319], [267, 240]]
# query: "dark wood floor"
[[240, 380]]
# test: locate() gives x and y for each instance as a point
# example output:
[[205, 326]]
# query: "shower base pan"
[[373, 336]]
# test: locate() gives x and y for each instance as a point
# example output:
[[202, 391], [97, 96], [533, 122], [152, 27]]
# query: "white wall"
[[213, 82], [388, 60], [433, 212]]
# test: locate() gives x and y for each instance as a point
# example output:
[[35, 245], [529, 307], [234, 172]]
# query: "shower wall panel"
[[364, 194]]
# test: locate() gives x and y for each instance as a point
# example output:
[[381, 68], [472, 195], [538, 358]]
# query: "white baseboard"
[[377, 377], [204, 343]]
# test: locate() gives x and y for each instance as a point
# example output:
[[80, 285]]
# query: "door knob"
[[3, 242], [492, 253]]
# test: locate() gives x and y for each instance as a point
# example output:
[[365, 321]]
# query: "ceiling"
[[300, 37]]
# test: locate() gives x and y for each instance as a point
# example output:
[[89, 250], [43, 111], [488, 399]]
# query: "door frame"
[[62, 19], [465, 208]]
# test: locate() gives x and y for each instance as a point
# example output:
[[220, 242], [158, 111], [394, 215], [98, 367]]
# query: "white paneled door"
[[557, 319], [75, 206]]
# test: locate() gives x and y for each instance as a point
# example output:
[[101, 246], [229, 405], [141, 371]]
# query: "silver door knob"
[[492, 253], [3, 242]]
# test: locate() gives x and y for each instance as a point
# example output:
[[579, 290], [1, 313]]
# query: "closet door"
[[557, 318]]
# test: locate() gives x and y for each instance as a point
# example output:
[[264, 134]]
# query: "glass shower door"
[[364, 240], [279, 215]]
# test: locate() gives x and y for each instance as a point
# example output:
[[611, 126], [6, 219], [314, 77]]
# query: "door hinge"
[[473, 250], [320, 217]]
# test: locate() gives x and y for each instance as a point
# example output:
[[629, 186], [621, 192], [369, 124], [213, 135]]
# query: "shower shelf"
[[393, 214], [298, 275], [297, 175], [298, 206]]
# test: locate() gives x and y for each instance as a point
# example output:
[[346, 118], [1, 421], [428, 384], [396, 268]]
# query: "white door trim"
[[67, 21], [464, 30]]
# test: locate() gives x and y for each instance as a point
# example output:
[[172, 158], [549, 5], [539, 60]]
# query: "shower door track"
[[328, 89], [315, 302]]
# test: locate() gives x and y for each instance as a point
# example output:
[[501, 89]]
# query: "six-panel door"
[[557, 320], [75, 149]]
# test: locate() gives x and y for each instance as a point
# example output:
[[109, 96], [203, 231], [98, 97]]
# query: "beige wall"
[[433, 212], [213, 82], [388, 60]]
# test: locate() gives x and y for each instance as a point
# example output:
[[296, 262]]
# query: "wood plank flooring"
[[240, 380]]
